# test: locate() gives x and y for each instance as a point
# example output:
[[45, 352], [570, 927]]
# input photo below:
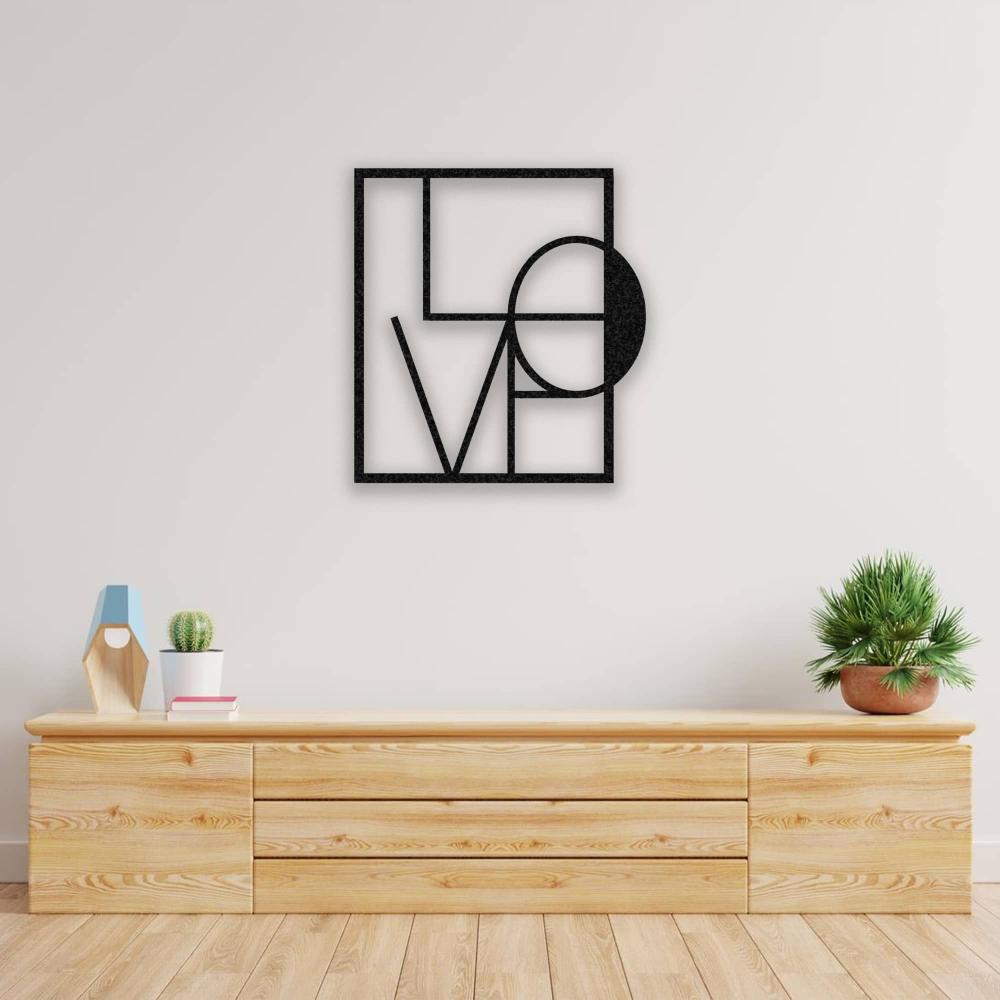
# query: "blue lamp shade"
[[114, 657]]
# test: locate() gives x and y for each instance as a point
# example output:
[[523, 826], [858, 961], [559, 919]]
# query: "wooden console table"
[[481, 812]]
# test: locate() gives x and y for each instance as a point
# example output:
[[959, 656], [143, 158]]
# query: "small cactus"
[[191, 631]]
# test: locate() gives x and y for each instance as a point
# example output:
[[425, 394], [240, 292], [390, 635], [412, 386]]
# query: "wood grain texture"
[[142, 970], [806, 968], [874, 962], [953, 967], [440, 958], [140, 827], [730, 964], [641, 724], [296, 958], [583, 958], [657, 963], [13, 909], [139, 957], [517, 885], [70, 969], [224, 960], [461, 770], [988, 896], [511, 959], [979, 930], [860, 827], [116, 676], [539, 828], [368, 960], [31, 939], [13, 898]]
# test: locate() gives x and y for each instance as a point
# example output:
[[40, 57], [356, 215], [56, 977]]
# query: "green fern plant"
[[191, 631], [889, 613]]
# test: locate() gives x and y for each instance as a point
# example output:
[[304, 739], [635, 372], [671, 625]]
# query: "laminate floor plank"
[[296, 958], [13, 908], [805, 967], [142, 969], [13, 916], [980, 930], [953, 967], [512, 960], [583, 957], [28, 939], [730, 964], [222, 963], [440, 962], [500, 956], [877, 965], [987, 894], [368, 960], [74, 965], [657, 963]]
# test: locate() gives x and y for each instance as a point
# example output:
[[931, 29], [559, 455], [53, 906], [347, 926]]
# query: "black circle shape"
[[624, 317]]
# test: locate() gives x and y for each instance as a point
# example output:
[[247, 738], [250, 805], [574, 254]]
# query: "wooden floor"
[[498, 957]]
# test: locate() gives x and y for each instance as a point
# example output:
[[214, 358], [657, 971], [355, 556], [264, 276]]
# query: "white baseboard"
[[14, 861]]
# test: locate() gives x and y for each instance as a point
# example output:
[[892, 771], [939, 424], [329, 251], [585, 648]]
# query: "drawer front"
[[141, 827], [502, 829], [516, 885], [416, 770]]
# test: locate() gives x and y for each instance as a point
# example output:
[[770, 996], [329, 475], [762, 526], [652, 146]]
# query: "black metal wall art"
[[510, 368]]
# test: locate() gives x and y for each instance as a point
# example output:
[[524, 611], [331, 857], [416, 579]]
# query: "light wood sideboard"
[[623, 812]]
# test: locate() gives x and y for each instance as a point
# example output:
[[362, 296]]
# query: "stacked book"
[[203, 708]]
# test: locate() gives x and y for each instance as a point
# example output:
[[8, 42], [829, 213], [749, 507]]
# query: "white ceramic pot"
[[187, 675]]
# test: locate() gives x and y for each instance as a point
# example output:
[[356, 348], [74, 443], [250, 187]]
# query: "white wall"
[[807, 189]]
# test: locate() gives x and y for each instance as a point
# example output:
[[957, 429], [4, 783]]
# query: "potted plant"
[[890, 640], [191, 668]]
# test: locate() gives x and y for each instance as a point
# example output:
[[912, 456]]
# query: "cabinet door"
[[860, 827], [141, 827]]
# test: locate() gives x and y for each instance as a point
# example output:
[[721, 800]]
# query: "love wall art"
[[493, 321]]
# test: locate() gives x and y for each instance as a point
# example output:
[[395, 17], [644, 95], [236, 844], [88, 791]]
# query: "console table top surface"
[[672, 724]]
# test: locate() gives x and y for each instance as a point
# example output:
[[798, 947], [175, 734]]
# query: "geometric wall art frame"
[[493, 319]]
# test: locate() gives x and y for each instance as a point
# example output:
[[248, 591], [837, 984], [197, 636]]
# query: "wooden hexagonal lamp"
[[114, 658]]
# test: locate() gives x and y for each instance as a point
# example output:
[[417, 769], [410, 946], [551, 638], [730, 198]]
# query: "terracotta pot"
[[861, 690]]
